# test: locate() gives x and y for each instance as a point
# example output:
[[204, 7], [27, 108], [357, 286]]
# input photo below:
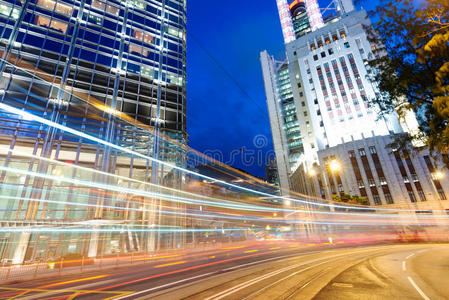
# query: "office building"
[[83, 85], [328, 99]]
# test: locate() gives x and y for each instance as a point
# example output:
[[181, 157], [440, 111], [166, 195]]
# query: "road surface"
[[262, 271]]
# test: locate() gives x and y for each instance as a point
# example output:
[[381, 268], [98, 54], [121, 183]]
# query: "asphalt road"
[[270, 270]]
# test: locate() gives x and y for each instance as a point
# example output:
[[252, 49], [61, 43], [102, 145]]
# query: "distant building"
[[271, 172]]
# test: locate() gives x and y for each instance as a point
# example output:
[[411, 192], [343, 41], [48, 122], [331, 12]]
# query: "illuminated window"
[[93, 18], [146, 38], [103, 6], [7, 10], [57, 25], [60, 8], [98, 4], [138, 49], [342, 33], [138, 3], [173, 31], [148, 72], [112, 10], [174, 79]]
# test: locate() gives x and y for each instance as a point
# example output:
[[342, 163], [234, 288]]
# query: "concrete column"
[[93, 244], [22, 246]]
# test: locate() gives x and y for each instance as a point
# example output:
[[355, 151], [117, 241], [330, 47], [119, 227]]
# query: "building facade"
[[128, 55], [330, 91], [89, 90], [369, 168]]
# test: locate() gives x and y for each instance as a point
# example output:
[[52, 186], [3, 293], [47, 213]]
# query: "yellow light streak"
[[230, 248], [159, 257], [171, 264]]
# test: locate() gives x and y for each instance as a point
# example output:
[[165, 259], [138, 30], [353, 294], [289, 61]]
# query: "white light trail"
[[30, 116]]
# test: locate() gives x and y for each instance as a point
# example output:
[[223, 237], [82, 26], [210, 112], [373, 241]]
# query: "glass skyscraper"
[[92, 99], [128, 55]]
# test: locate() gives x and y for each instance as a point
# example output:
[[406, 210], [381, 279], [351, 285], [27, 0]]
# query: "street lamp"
[[334, 166], [312, 172], [438, 175]]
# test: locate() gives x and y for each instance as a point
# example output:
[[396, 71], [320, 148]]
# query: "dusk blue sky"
[[220, 116]]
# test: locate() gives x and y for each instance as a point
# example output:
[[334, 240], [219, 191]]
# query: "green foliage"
[[415, 73], [345, 198]]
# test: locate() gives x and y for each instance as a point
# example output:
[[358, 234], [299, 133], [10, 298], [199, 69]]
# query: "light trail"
[[201, 214], [208, 216], [134, 191], [41, 120], [118, 177]]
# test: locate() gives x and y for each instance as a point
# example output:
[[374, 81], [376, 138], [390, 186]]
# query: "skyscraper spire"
[[286, 21], [313, 14]]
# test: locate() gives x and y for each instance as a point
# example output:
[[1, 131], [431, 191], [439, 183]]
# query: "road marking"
[[294, 246], [213, 256], [284, 278], [248, 283], [76, 289], [410, 256], [306, 284], [171, 264], [158, 257], [418, 289], [265, 260], [250, 251], [73, 281], [275, 248], [214, 263], [21, 294], [342, 285], [207, 274], [404, 266], [165, 285], [243, 285]]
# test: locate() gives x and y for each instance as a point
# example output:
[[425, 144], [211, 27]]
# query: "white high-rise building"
[[327, 137]]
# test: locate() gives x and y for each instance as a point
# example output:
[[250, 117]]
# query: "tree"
[[415, 73], [345, 198]]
